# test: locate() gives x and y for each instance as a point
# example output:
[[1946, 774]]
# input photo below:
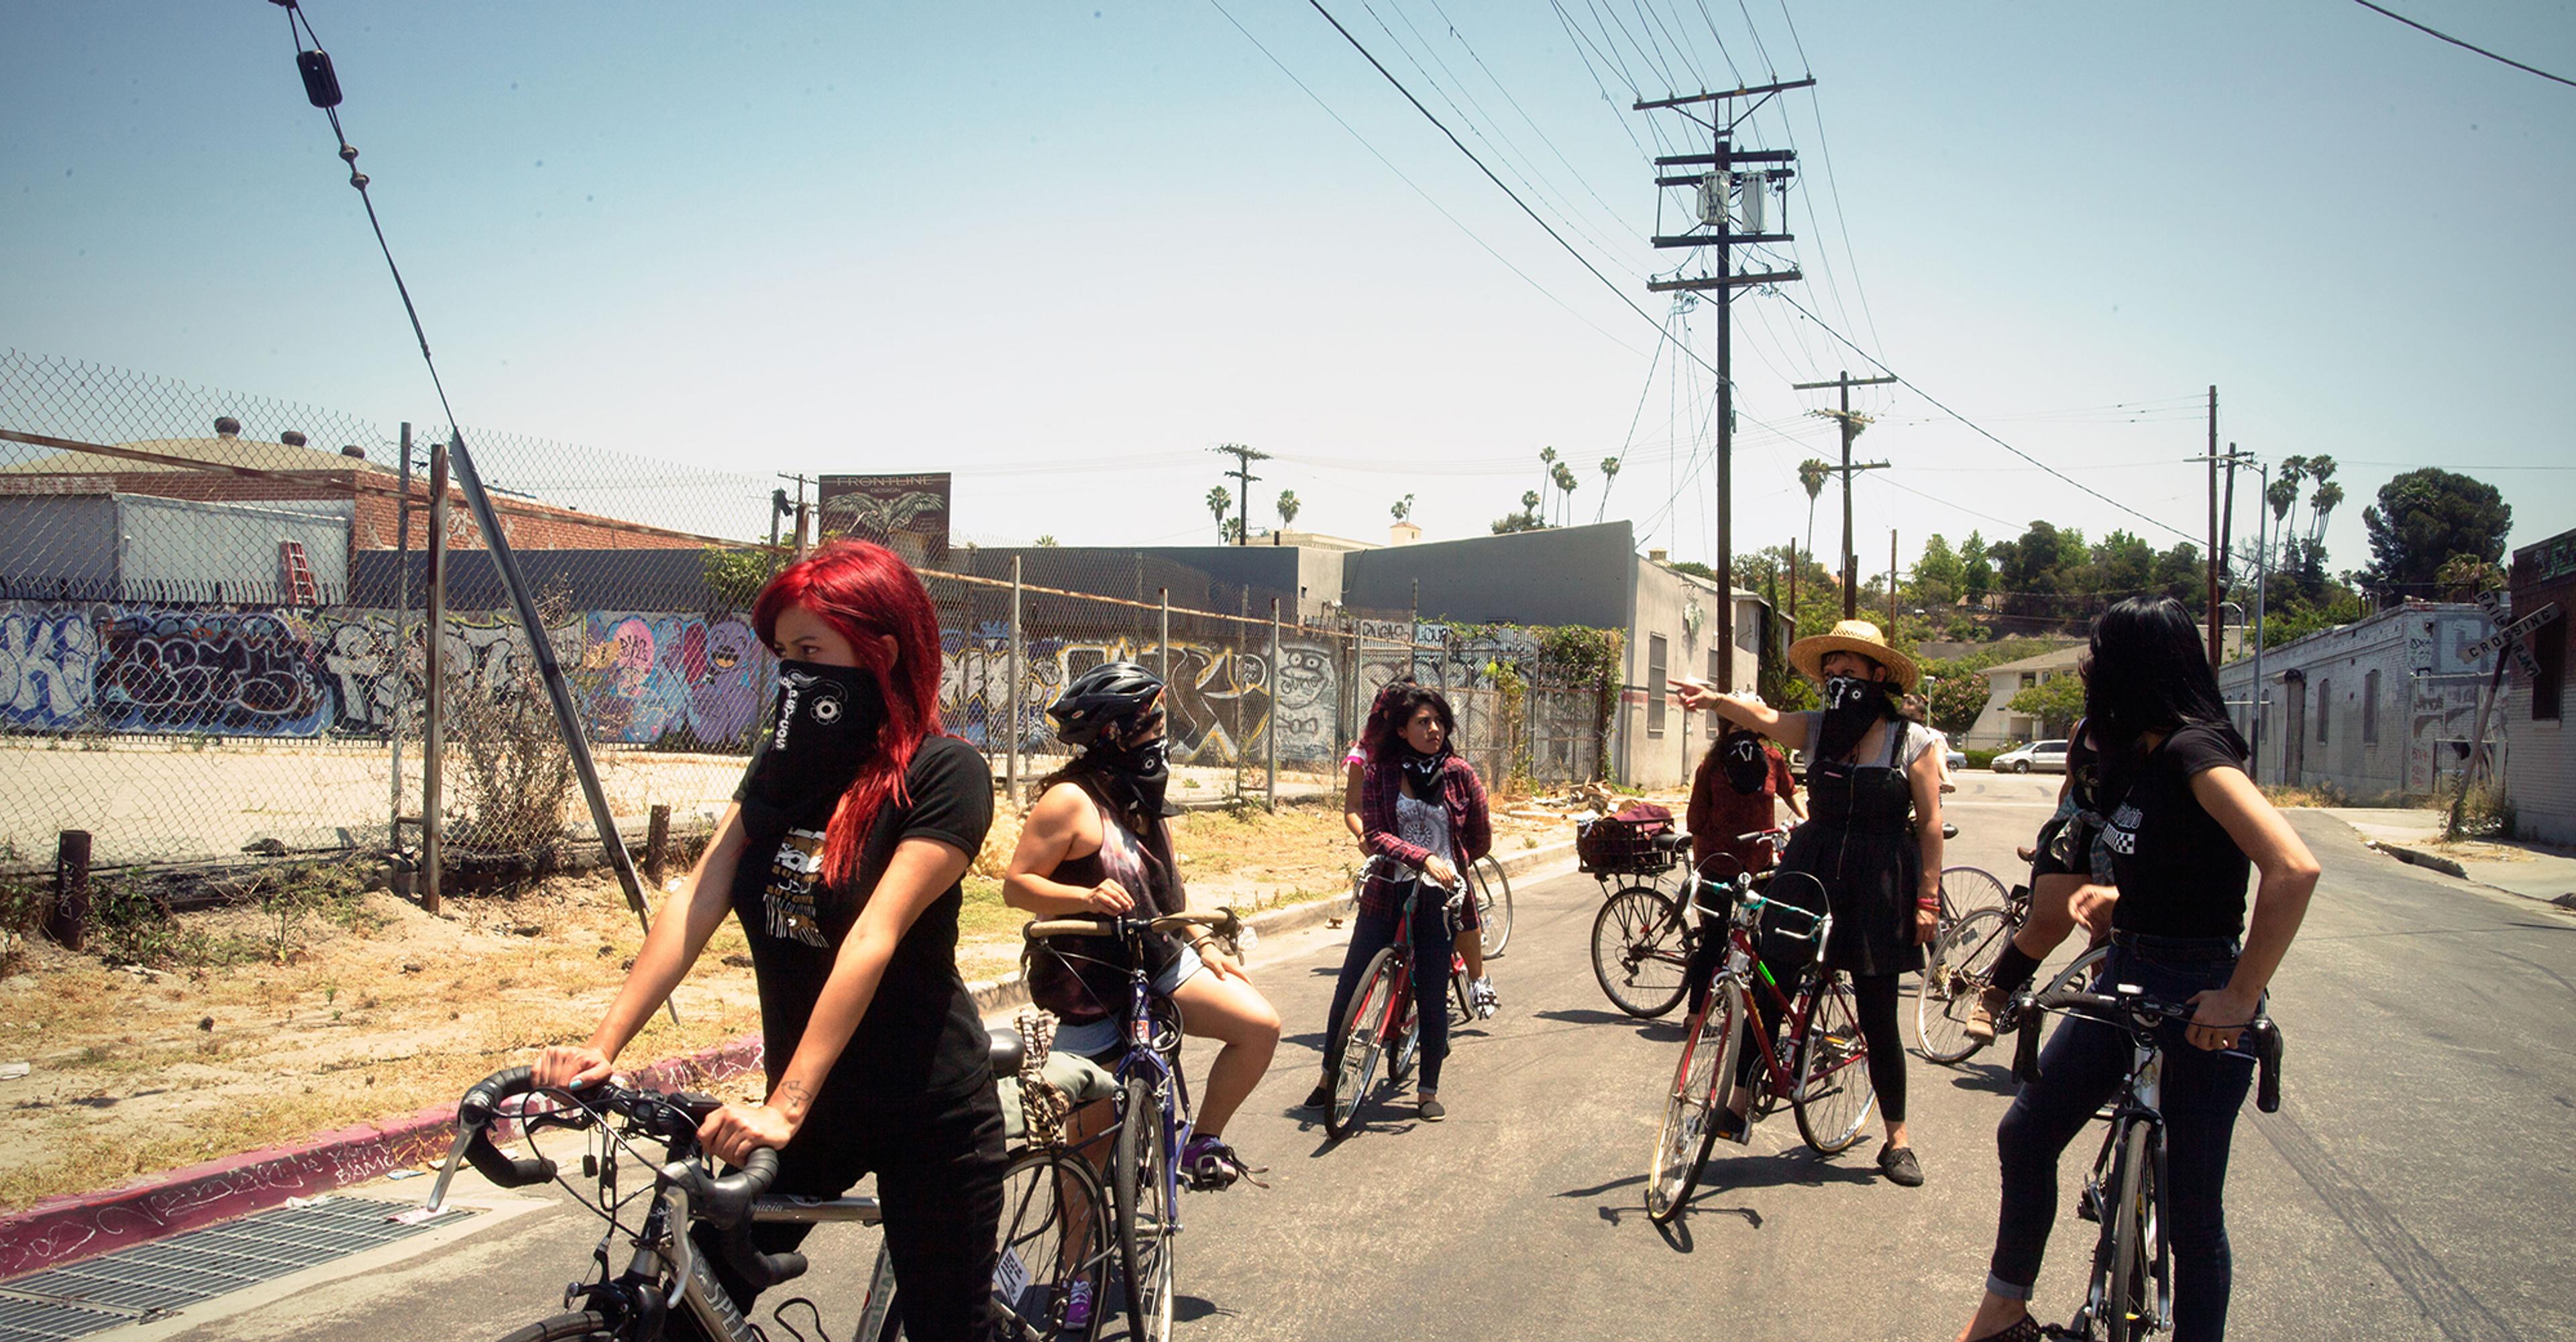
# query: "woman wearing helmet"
[[1097, 842]]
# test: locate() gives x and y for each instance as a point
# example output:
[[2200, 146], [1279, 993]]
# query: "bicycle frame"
[[1399, 1024], [1143, 1059], [1742, 968]]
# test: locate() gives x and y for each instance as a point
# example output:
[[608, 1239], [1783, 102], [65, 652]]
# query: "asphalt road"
[[2417, 1183]]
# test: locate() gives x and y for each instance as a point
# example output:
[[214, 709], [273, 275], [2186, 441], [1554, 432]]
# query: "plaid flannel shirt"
[[1471, 832]]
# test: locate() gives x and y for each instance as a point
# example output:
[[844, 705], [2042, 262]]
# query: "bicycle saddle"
[[1007, 1051]]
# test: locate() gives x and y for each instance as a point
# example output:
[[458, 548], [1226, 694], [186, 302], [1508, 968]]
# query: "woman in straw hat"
[[1873, 840]]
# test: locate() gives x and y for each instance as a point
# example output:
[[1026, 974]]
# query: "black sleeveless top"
[[1084, 979]]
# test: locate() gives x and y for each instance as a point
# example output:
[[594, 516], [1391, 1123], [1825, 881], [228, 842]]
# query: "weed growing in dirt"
[[128, 924], [24, 902]]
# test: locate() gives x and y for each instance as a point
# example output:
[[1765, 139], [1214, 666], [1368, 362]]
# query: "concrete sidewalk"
[[2413, 835]]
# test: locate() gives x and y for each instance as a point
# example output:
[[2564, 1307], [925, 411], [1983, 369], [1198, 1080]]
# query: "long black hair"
[[1395, 706], [2148, 671]]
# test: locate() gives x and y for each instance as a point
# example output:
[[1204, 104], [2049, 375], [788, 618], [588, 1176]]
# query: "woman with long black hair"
[[1423, 814], [842, 857], [2183, 825], [1873, 840]]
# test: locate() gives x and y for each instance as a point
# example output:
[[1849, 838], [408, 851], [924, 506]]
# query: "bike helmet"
[[1108, 693]]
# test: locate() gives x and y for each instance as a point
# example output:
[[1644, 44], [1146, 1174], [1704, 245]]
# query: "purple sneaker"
[[1077, 1310]]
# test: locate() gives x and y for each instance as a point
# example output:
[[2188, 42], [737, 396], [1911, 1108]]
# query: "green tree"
[[1220, 501], [1812, 475], [2121, 565], [2464, 576], [2422, 519], [2179, 574], [1288, 508], [1937, 575], [1402, 509], [1976, 571], [1047, 541], [1955, 697], [2057, 702]]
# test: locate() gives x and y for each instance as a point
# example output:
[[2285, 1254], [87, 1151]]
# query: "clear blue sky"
[[978, 237]]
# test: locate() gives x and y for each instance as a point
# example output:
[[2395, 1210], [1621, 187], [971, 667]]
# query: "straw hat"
[[1860, 636]]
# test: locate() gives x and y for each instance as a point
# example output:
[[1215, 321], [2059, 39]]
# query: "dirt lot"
[[382, 1009]]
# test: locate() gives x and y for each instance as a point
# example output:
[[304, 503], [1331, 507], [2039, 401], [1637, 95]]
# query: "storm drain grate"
[[151, 1281]]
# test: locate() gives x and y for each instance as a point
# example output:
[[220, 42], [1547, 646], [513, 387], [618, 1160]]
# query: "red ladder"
[[298, 571]]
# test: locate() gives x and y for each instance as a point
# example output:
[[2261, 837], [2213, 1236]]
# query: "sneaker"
[[1732, 1126], [1481, 992], [1077, 1310], [1980, 1024], [1321, 1097], [1431, 1110], [1212, 1166], [1900, 1167]]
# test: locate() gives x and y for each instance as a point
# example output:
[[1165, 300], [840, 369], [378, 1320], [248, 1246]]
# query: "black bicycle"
[[1053, 1238], [2129, 1295]]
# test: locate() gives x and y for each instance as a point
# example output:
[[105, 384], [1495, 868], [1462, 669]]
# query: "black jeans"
[[939, 1179], [1874, 1002], [2081, 1066], [1432, 947]]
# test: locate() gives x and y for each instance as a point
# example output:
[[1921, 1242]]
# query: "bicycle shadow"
[[1663, 1029], [1728, 1176], [1185, 1309], [1986, 1077]]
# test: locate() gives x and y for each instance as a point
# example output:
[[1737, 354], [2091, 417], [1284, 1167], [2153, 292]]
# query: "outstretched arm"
[[1789, 729]]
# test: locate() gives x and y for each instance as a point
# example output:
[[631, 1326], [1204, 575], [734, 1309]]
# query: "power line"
[[1499, 183], [2365, 4], [1980, 429]]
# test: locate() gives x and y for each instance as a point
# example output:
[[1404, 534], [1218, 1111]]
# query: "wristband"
[[1933, 903]]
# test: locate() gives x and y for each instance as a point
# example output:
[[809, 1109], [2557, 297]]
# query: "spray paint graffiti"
[[48, 668], [649, 678], [220, 673]]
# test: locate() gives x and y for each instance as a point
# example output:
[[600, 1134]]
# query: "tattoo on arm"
[[795, 1092]]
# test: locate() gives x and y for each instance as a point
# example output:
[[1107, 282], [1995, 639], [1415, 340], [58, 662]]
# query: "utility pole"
[[2213, 527], [1891, 584], [1722, 192], [2227, 524], [1244, 478], [1851, 424], [799, 511]]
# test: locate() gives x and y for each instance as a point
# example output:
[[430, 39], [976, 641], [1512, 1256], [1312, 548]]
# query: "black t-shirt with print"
[[2179, 873], [921, 1039]]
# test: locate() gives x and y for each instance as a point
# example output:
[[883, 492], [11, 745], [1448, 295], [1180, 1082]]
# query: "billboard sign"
[[907, 514]]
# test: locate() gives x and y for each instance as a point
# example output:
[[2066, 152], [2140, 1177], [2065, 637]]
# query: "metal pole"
[[1163, 635], [1270, 733], [1725, 170], [68, 920], [1851, 554], [402, 637], [433, 698], [1016, 673], [2213, 528], [2262, 582]]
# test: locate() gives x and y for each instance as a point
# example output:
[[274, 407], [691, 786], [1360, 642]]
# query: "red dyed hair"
[[866, 592]]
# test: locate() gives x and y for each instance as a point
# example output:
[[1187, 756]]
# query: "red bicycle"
[[1382, 1022], [1820, 1063]]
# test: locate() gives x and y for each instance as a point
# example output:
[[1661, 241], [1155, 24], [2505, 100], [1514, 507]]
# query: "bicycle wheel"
[[1493, 904], [1363, 1035], [1682, 1141], [564, 1327], [1139, 1179], [1462, 996], [1834, 1096], [1962, 963], [1054, 1245], [1408, 1046], [2134, 1307], [1964, 890], [1638, 952]]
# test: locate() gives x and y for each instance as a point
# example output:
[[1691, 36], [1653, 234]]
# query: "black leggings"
[[939, 1178], [1874, 997]]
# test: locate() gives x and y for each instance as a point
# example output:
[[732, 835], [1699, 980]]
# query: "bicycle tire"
[[1408, 1046], [1363, 1044], [1953, 979], [2129, 1312], [1493, 888], [589, 1323], [1139, 1183], [1463, 995], [1688, 1129], [1964, 890], [1637, 943], [1834, 1096], [1053, 1212]]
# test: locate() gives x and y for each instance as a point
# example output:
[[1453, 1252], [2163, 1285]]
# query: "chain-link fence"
[[215, 616]]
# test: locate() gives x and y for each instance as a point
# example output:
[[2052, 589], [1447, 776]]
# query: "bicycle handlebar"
[[1224, 923], [2262, 1036], [725, 1200]]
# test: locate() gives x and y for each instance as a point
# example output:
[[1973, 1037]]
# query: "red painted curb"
[[67, 1229]]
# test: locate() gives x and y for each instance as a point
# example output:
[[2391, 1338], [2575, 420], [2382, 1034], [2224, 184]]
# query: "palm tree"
[[1401, 509], [2284, 497], [1566, 482], [1529, 505], [1288, 507], [1812, 474], [1219, 500], [2323, 502], [1546, 467], [1609, 473]]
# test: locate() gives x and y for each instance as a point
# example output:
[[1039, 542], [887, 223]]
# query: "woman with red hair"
[[842, 856]]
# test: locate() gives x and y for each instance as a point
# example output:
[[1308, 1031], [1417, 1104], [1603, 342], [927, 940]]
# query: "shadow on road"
[[1662, 1029], [1991, 1078]]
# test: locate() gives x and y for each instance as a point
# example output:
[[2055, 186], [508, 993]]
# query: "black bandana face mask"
[[823, 726], [1852, 706], [1741, 757], [1424, 769], [1144, 768]]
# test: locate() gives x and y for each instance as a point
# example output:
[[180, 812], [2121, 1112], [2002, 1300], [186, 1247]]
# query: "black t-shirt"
[[921, 1039], [2179, 872]]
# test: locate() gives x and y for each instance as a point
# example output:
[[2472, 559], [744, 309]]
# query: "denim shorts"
[[1107, 1034]]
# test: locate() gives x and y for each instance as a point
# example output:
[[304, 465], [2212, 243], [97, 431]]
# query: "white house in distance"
[[1997, 726]]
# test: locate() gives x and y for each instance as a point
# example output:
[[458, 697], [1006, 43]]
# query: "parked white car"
[[2048, 757]]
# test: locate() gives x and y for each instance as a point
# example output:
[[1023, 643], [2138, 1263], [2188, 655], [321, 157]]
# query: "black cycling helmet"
[[1109, 693]]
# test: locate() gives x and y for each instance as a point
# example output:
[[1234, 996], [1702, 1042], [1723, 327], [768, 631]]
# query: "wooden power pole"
[[1724, 193], [1851, 424], [1244, 478], [2213, 528]]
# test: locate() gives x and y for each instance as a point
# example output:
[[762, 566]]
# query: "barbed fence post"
[[1163, 636], [402, 641], [1017, 675], [1270, 730], [433, 744]]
